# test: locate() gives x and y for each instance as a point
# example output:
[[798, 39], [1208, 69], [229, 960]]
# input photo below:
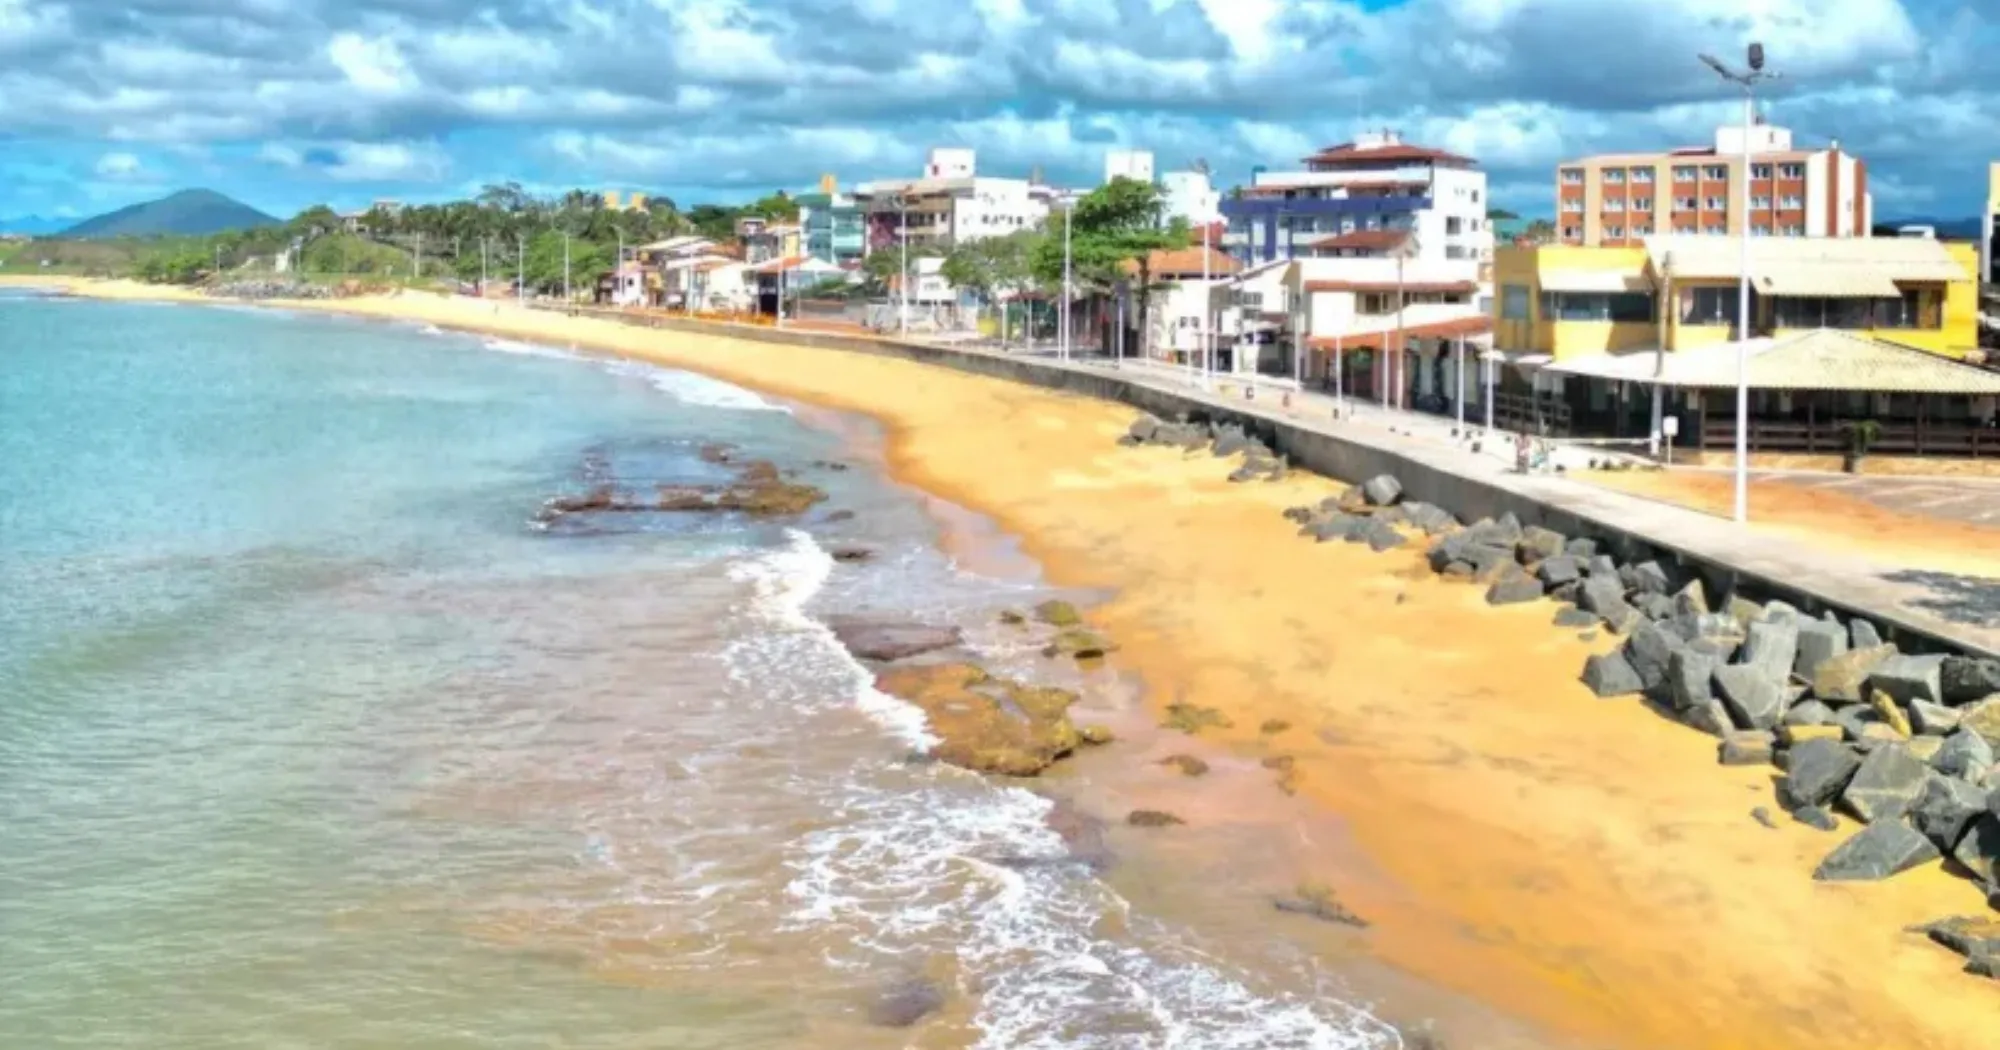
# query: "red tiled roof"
[[1410, 287], [1185, 262], [1373, 240], [1463, 326], [1348, 151], [1382, 184], [789, 262]]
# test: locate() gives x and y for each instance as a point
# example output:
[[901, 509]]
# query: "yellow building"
[[1594, 333]]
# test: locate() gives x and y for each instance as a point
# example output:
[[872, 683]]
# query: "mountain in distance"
[[31, 225], [1962, 229], [189, 212]]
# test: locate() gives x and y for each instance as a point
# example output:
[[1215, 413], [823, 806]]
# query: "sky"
[[288, 103]]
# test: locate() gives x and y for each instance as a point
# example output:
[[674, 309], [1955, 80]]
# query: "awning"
[[1611, 282], [1834, 282], [1820, 359]]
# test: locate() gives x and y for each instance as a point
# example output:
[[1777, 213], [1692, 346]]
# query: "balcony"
[[1264, 213]]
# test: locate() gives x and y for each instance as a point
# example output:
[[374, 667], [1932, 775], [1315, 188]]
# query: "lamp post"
[[1069, 219], [567, 297], [1748, 80]]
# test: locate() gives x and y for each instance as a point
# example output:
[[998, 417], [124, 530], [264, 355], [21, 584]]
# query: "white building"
[[1399, 324], [1375, 184], [1189, 195], [950, 204], [1134, 164]]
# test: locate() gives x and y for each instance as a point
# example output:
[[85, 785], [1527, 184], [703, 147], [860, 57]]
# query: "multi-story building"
[[950, 204], [1623, 198], [1375, 184], [832, 224], [614, 201], [1611, 340], [1134, 164], [764, 240]]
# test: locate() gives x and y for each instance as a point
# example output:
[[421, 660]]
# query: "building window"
[[1572, 176], [1760, 230], [1760, 171], [1714, 229], [1613, 204], [1716, 171], [1912, 310], [1514, 302], [1686, 204], [1453, 226], [1642, 175], [1684, 174], [1791, 171], [1614, 176], [1791, 202], [1684, 231], [1718, 204], [1374, 303], [1620, 308], [1573, 204], [1614, 232], [1709, 306], [1643, 204], [1572, 233], [1760, 203], [1642, 231], [1795, 230]]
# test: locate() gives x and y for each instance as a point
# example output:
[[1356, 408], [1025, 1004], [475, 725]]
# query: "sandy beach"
[[1582, 864]]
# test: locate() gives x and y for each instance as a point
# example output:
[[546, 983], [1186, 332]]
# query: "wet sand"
[[1582, 864], [1824, 518]]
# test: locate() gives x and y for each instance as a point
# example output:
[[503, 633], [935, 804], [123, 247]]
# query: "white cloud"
[[373, 64], [388, 162], [119, 167]]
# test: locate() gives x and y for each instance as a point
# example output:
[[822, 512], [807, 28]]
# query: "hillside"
[[195, 212], [32, 225]]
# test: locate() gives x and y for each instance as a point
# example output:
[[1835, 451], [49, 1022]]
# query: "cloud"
[[119, 167], [702, 98]]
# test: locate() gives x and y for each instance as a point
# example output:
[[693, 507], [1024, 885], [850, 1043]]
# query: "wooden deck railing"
[[1894, 439]]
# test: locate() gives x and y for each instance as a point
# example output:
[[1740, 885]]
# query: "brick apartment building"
[[1620, 199]]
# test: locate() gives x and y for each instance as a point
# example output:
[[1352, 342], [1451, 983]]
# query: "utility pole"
[[567, 298], [520, 270], [482, 267]]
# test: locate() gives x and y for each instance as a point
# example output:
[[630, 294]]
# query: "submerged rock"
[[1078, 643], [984, 723], [1152, 818], [905, 1002], [1058, 613], [1193, 718], [1317, 901], [1188, 765], [758, 489]]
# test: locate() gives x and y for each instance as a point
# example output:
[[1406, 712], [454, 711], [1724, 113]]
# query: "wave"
[[924, 856], [690, 388], [509, 346]]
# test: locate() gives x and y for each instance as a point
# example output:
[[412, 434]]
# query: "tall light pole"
[[567, 298], [520, 270], [1747, 80], [1069, 219]]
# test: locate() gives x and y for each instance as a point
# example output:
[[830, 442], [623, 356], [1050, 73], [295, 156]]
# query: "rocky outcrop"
[[1316, 901], [984, 723], [890, 640], [1152, 818], [758, 489]]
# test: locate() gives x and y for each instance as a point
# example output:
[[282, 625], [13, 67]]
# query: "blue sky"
[[286, 103]]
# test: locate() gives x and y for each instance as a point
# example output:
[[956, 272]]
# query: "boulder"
[[1600, 594], [1690, 680], [1611, 674], [1095, 735], [1143, 428], [1772, 647], [1646, 578], [1964, 934], [1582, 549], [1854, 718], [1057, 613], [1818, 642], [1933, 719], [1890, 714], [1946, 809], [1539, 544], [1691, 601], [1816, 772], [1888, 782], [1504, 532], [983, 723], [1559, 569], [1862, 635], [1881, 849], [1573, 617], [1925, 747], [1603, 565], [1790, 735], [1983, 718], [1708, 716], [1754, 700], [1979, 850], [905, 1002], [1379, 536], [1877, 734], [1655, 606], [1193, 718], [1722, 634], [1650, 651], [1907, 678], [1318, 902], [1808, 713], [1843, 677], [1623, 619], [1333, 527], [1965, 755], [1382, 490], [887, 641], [1077, 643], [1513, 587], [1744, 611], [1429, 517], [1964, 679], [1746, 748], [1816, 817]]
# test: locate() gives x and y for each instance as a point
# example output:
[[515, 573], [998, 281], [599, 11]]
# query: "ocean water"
[[309, 737]]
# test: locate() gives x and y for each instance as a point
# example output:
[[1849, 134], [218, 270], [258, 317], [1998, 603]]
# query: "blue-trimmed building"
[[1354, 198]]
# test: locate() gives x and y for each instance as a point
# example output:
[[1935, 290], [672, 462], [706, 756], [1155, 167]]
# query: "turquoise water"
[[308, 738]]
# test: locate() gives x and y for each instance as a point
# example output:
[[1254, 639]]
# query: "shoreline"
[[1556, 854]]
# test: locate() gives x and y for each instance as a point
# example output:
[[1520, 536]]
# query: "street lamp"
[[1747, 80], [1069, 219]]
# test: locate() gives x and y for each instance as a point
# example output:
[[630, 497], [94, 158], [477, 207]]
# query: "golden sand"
[[1826, 519], [1577, 862]]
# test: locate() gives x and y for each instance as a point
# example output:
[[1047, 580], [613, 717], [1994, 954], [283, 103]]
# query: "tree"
[[885, 265], [1500, 213], [993, 266], [1115, 224]]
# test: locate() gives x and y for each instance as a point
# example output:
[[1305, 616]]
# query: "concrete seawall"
[[1725, 557]]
